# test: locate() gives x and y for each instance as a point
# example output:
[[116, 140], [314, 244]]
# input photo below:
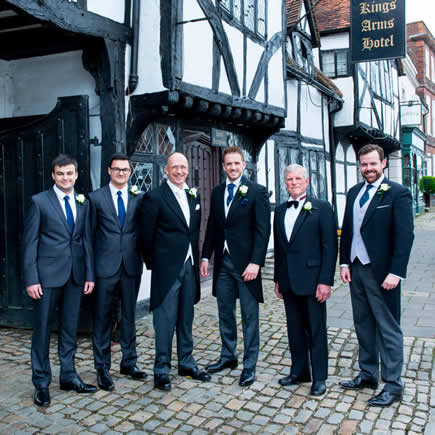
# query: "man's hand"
[[323, 292], [390, 282], [251, 272], [34, 291], [203, 268], [345, 274], [89, 286], [278, 294]]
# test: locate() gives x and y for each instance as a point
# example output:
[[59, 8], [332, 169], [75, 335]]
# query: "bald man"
[[171, 216]]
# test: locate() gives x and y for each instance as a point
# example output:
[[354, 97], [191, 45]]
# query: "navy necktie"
[[365, 196], [69, 213], [121, 209], [231, 187]]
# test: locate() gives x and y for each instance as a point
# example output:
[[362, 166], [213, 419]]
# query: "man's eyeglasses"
[[121, 170]]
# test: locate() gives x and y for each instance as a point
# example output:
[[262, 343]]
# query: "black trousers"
[[68, 300], [176, 313], [229, 286], [307, 335], [102, 312]]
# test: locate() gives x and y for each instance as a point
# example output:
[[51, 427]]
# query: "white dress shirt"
[[124, 194], [181, 196], [227, 207], [72, 201], [358, 248], [292, 214]]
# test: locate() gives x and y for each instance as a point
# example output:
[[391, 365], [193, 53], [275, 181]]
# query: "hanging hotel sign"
[[378, 29]]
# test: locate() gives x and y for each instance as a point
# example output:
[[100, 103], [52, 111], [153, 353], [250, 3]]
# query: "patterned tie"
[[365, 196], [231, 187], [121, 209], [69, 213]]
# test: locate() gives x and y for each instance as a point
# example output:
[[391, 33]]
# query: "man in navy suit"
[[376, 241], [58, 270], [305, 244], [118, 267], [171, 217], [238, 231]]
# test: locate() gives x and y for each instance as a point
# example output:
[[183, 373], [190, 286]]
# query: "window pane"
[[261, 17], [226, 4], [249, 14], [145, 142], [142, 175], [341, 63], [165, 140], [328, 63]]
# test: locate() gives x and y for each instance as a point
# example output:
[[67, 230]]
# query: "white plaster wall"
[[345, 115], [39, 81], [418, 141], [6, 85], [235, 38], [113, 9], [274, 15], [292, 105], [329, 180], [261, 167], [395, 167], [311, 112], [272, 173], [326, 127], [336, 41], [253, 55], [276, 80], [149, 68]]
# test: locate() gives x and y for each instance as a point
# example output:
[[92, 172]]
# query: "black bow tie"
[[292, 203]]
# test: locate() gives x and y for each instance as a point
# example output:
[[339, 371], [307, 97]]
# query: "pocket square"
[[197, 207], [383, 206]]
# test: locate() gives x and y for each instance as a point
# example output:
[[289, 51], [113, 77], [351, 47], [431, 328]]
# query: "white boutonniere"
[[193, 192], [134, 190], [308, 207], [80, 199], [384, 187], [243, 190]]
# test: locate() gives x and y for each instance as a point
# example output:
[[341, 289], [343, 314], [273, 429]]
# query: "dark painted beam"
[[68, 16]]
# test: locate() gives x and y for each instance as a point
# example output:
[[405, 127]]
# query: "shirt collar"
[[376, 183], [236, 182], [175, 188], [61, 194], [304, 196], [114, 190]]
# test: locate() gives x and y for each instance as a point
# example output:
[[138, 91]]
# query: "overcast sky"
[[421, 10]]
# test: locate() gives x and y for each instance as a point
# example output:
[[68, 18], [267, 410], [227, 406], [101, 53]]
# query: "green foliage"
[[427, 184]]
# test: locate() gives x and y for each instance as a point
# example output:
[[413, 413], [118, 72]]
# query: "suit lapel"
[[220, 198], [299, 221], [281, 223], [55, 203], [110, 205], [192, 204], [237, 197], [171, 200], [130, 207], [377, 199]]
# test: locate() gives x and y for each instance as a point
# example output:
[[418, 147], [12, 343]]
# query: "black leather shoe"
[[358, 383], [318, 388], [105, 381], [133, 372], [78, 386], [195, 373], [41, 397], [293, 380], [385, 398], [162, 382], [222, 365], [247, 377]]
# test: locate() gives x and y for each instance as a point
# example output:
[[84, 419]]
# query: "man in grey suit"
[[376, 241], [58, 270], [171, 216], [118, 267]]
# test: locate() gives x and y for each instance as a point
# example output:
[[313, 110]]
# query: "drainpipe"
[[133, 78]]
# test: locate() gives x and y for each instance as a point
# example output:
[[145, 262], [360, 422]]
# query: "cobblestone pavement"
[[221, 406]]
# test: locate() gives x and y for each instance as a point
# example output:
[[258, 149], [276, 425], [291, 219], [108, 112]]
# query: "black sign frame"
[[377, 30]]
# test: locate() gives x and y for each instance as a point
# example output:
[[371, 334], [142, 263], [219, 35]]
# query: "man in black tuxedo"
[[118, 266], [238, 231], [58, 269], [376, 241], [171, 216], [305, 244]]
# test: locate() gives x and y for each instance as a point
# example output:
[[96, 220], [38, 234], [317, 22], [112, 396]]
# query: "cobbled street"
[[221, 406]]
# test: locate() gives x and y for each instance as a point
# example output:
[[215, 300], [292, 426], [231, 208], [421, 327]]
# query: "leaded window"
[[335, 63]]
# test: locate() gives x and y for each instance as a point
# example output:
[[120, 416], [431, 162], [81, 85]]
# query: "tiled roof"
[[293, 12], [332, 15]]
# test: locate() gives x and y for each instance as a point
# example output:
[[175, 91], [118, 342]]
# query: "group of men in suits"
[[72, 244]]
